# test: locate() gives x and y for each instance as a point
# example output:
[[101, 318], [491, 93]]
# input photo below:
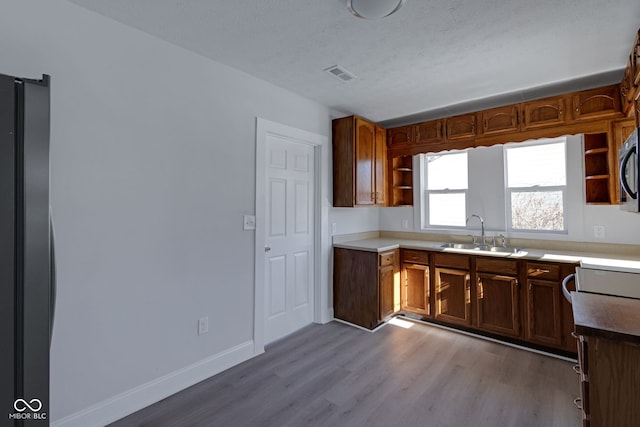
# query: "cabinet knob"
[[267, 248]]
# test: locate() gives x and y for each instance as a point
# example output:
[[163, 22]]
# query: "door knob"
[[267, 248]]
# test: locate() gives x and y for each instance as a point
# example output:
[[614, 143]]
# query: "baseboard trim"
[[133, 400]]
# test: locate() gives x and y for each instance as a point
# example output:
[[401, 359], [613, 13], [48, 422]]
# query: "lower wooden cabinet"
[[415, 289], [544, 321], [386, 284], [517, 299], [452, 296], [498, 304], [366, 286], [608, 360]]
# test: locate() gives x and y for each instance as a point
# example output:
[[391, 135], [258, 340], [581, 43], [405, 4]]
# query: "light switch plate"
[[249, 222]]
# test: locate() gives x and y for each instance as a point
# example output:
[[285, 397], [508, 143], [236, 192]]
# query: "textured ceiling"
[[432, 57]]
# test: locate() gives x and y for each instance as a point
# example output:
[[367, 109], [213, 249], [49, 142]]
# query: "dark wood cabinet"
[[544, 113], [608, 359], [380, 165], [452, 289], [543, 296], [429, 132], [415, 295], [366, 286], [359, 163], [387, 291], [452, 296], [400, 136], [461, 127], [498, 296], [500, 120], [597, 103], [544, 321]]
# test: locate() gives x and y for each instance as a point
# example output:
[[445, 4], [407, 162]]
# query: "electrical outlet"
[[203, 325], [249, 222], [598, 231], [405, 224], [334, 228]]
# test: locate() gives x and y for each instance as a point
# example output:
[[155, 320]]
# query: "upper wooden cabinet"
[[461, 127], [401, 136], [429, 132], [544, 113], [596, 103], [359, 163], [500, 120], [627, 87]]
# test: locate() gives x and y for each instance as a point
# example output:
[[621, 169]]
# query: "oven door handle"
[[623, 178], [565, 282]]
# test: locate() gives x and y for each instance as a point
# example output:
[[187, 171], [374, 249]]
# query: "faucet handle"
[[504, 240]]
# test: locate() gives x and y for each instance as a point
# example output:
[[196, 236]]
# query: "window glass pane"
[[447, 171], [542, 165], [537, 210], [447, 209]]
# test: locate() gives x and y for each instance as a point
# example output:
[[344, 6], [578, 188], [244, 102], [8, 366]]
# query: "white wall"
[[485, 194], [152, 168]]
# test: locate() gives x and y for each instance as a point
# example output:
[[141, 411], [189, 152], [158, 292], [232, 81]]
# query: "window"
[[536, 186], [446, 189]]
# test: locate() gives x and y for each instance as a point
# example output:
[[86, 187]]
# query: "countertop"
[[606, 316], [587, 259]]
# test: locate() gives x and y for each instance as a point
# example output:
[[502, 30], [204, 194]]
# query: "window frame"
[[535, 188], [425, 183]]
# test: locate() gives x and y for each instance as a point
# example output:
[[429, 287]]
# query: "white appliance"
[[606, 282]]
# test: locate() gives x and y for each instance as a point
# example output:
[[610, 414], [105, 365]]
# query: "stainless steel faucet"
[[482, 238]]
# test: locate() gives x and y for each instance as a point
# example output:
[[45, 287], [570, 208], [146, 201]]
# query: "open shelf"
[[401, 181], [597, 169]]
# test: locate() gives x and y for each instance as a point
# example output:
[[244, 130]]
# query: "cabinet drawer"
[[387, 258], [493, 265], [452, 260], [417, 257], [543, 271]]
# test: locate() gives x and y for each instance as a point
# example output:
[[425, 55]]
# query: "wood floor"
[[337, 375]]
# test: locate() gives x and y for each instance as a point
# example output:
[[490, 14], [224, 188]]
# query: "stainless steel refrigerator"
[[27, 272]]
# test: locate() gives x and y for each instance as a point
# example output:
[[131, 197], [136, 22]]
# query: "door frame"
[[321, 244]]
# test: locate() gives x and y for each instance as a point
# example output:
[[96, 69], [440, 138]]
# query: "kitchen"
[[135, 238]]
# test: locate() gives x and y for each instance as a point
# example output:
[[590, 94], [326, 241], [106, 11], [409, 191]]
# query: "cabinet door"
[[399, 137], [387, 291], [355, 287], [429, 132], [365, 162], [461, 127], [380, 189], [453, 299], [498, 304], [627, 87], [500, 120], [596, 103], [415, 295], [543, 113], [544, 320]]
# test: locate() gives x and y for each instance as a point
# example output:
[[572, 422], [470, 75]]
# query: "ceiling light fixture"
[[373, 9]]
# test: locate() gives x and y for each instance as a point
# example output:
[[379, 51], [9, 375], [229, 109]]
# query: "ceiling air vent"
[[339, 72]]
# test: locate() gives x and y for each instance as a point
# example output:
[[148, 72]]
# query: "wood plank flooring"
[[337, 375]]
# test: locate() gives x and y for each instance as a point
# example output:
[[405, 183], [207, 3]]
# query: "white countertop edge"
[[596, 261]]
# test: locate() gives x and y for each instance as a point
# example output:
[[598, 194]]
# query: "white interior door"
[[289, 236]]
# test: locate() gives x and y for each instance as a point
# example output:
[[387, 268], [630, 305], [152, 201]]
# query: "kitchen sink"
[[481, 248]]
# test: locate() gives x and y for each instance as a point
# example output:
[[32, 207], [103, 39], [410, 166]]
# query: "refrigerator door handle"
[[54, 285]]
